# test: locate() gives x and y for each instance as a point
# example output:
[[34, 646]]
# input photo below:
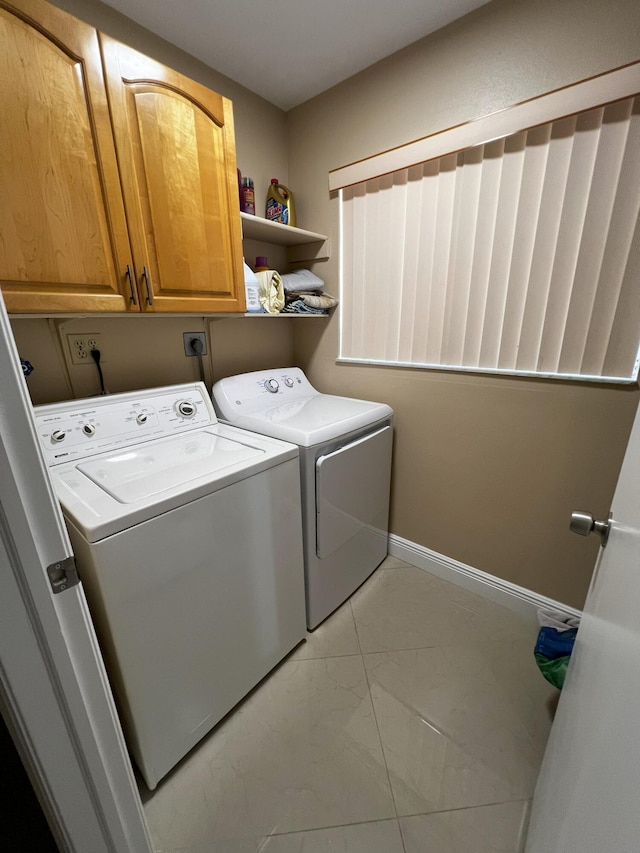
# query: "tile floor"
[[412, 721]]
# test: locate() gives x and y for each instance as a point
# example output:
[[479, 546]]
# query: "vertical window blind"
[[521, 255]]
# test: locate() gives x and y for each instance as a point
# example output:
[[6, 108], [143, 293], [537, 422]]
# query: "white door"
[[587, 797], [54, 693]]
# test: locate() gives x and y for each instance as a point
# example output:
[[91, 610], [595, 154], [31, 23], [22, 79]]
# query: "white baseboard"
[[502, 592]]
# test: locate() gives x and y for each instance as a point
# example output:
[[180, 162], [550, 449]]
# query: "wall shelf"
[[301, 245], [256, 228], [218, 315]]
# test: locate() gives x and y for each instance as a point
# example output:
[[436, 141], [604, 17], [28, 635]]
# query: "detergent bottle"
[[252, 290], [247, 197], [280, 206]]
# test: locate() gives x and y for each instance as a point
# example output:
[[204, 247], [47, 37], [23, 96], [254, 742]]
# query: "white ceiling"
[[290, 50]]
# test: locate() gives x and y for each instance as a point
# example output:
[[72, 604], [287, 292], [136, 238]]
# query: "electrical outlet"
[[81, 345], [188, 337]]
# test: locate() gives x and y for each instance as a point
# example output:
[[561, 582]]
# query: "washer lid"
[[120, 488], [143, 471], [314, 419]]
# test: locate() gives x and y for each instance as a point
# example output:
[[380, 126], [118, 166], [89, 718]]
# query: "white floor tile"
[[490, 829], [454, 735], [302, 753], [393, 563], [335, 637], [407, 608], [437, 731], [379, 837]]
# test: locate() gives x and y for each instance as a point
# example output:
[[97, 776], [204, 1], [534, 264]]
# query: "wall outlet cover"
[[188, 337], [80, 345]]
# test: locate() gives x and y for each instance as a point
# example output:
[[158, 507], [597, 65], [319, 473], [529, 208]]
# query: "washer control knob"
[[88, 429], [288, 382], [142, 418], [186, 408], [272, 385], [58, 435]]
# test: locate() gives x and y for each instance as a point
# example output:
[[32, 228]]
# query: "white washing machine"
[[177, 525], [345, 471]]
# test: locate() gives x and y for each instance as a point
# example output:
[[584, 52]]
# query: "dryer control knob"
[[58, 435], [142, 418], [272, 385], [288, 382], [89, 429], [186, 408]]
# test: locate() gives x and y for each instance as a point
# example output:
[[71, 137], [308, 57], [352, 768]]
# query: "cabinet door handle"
[[129, 275], [145, 276]]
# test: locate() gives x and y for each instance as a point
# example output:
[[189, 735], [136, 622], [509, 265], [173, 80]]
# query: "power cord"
[[196, 346], [95, 355]]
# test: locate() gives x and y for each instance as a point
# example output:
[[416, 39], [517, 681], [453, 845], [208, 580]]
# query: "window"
[[520, 254]]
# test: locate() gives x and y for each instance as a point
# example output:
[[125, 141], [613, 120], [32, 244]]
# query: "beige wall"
[[487, 469], [146, 352], [141, 352]]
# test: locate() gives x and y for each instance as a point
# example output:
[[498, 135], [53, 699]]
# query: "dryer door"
[[352, 492]]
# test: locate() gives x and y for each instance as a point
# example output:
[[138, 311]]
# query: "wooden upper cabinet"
[[64, 243], [118, 183], [176, 151]]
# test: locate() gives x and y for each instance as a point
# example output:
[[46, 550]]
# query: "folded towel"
[[271, 291], [297, 306], [320, 300], [309, 303], [301, 280]]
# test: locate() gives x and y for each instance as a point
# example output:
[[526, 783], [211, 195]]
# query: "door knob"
[[584, 524]]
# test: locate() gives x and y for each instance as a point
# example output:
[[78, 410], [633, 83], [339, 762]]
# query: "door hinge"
[[63, 574]]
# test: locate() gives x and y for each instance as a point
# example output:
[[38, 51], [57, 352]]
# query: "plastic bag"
[[555, 643]]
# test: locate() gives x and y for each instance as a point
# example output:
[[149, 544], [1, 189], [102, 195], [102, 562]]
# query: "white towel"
[[300, 280], [557, 619]]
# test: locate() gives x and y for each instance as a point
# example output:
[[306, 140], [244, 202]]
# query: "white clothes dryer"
[[177, 524], [345, 471]]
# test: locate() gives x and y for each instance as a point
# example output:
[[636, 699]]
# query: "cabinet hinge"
[[63, 574]]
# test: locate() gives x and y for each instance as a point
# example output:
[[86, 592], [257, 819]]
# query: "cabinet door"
[[63, 234], [176, 151]]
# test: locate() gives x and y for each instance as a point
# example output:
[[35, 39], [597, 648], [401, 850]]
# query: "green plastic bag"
[[555, 643]]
